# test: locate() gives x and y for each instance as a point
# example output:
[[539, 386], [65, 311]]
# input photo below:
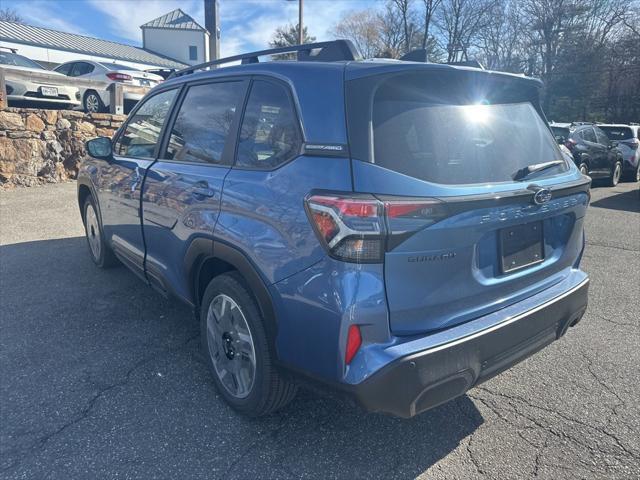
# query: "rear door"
[[482, 209], [135, 149], [598, 153], [182, 190]]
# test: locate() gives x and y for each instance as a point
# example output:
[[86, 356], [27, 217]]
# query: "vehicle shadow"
[[106, 379], [625, 201]]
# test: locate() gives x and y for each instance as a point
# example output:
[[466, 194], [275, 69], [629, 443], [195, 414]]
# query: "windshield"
[[117, 66], [18, 61], [617, 133]]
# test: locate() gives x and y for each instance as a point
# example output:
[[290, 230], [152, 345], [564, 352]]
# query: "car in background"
[[628, 139], [561, 131], [29, 82], [163, 72], [97, 98], [594, 154]]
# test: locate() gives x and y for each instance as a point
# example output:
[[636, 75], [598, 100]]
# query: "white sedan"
[[29, 82], [96, 97]]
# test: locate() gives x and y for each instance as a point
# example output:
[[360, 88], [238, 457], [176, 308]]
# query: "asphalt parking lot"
[[100, 377]]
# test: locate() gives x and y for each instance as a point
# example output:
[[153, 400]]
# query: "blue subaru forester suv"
[[398, 231]]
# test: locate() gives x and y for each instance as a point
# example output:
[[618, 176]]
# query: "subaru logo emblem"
[[543, 195]]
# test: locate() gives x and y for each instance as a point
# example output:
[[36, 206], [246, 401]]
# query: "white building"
[[177, 35], [171, 41]]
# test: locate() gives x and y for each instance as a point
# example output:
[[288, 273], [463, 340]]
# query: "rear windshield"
[[18, 61], [617, 133], [458, 132], [560, 132]]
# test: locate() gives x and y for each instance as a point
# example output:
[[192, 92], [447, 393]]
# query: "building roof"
[[70, 42], [175, 19]]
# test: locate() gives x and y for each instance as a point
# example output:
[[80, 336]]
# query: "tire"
[[232, 330], [616, 173], [584, 169], [92, 103], [99, 251]]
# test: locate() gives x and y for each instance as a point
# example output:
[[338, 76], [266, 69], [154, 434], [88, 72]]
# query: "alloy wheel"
[[617, 172], [231, 346], [93, 232], [92, 103]]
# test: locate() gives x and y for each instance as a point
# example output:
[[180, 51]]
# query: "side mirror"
[[100, 148], [561, 140], [613, 144]]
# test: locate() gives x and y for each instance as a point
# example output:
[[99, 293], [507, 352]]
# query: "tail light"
[[119, 77], [359, 228], [570, 144], [633, 143]]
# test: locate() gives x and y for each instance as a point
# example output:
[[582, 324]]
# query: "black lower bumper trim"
[[418, 382]]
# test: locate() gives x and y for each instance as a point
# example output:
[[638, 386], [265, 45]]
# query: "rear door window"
[[142, 132], [203, 123], [589, 135], [602, 138], [64, 69], [269, 135]]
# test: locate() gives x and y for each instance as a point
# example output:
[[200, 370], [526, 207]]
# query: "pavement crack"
[[615, 322], [619, 444], [596, 244], [86, 411]]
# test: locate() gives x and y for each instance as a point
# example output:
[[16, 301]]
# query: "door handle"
[[202, 191]]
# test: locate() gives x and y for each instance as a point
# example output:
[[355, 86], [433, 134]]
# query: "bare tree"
[[10, 15], [460, 22], [500, 42], [364, 29], [406, 13], [392, 33], [430, 8]]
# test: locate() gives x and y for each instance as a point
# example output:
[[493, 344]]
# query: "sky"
[[246, 25]]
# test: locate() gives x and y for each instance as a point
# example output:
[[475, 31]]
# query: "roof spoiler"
[[420, 55], [333, 51]]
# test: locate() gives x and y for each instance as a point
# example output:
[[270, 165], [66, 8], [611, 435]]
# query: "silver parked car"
[[628, 142], [29, 82], [96, 98]]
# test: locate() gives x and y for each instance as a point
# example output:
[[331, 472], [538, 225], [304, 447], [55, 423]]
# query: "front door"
[[135, 149], [182, 190]]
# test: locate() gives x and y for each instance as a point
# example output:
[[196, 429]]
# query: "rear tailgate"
[[507, 221]]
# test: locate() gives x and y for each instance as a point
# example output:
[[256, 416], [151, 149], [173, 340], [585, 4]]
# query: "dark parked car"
[[594, 154], [363, 225]]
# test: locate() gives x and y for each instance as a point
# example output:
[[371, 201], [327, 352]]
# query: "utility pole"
[[300, 29], [212, 23]]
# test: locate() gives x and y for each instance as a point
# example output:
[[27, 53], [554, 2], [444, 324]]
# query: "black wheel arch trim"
[[85, 181], [256, 284]]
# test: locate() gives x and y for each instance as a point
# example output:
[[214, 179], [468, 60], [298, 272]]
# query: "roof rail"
[[577, 124], [331, 51], [467, 63]]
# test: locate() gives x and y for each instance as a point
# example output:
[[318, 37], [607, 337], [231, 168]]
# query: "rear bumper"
[[427, 378]]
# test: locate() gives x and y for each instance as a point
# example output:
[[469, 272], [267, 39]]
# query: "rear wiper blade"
[[538, 167]]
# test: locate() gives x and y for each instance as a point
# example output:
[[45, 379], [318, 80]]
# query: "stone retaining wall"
[[46, 146]]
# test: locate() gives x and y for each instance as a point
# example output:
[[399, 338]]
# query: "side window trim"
[[296, 113], [132, 113], [228, 152]]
